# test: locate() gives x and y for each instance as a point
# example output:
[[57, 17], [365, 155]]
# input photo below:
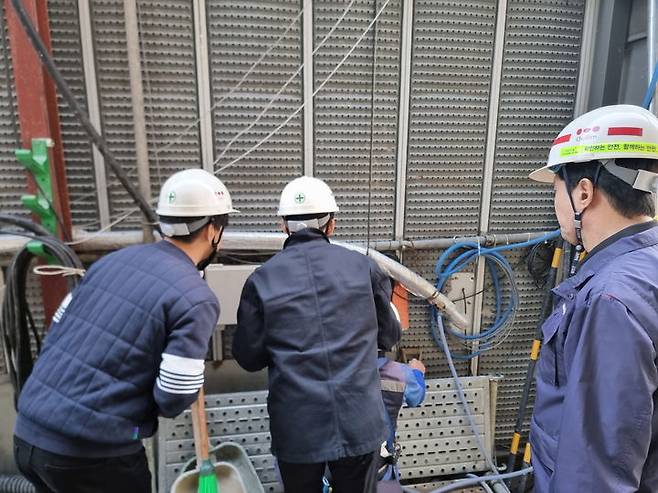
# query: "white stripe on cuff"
[[179, 365], [176, 390]]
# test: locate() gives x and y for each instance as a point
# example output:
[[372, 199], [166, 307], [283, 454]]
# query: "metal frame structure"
[[403, 119], [39, 118], [203, 85], [93, 107], [612, 29], [489, 164], [309, 87], [586, 57], [652, 46]]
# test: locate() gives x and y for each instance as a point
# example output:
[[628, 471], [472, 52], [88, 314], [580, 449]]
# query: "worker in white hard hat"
[[126, 346], [595, 422], [314, 315]]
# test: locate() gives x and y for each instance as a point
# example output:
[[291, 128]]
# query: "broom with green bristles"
[[207, 478]]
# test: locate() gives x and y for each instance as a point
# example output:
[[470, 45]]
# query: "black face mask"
[[210, 258]]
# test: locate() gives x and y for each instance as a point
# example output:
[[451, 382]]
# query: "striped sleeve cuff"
[[179, 375]]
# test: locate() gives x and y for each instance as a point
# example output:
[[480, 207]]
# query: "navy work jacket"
[[314, 315], [595, 424]]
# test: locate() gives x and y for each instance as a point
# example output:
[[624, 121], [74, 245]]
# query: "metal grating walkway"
[[435, 438]]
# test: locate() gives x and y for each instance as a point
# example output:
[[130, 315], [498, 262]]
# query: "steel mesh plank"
[[447, 444], [431, 438]]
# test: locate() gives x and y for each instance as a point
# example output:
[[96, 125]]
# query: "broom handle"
[[200, 428]]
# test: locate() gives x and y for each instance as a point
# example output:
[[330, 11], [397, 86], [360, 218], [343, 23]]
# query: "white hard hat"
[[306, 195], [194, 193], [607, 133]]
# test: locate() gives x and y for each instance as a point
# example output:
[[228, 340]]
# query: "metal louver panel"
[[167, 54], [343, 113], [239, 33], [538, 87], [169, 81], [510, 358], [63, 15], [540, 71], [451, 66], [13, 182]]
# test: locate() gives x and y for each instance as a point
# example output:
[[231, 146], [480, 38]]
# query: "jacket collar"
[[304, 236], [168, 246], [601, 257]]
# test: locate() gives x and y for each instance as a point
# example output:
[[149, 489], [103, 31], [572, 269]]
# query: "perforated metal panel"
[[510, 359], [13, 182], [63, 16], [241, 418], [451, 67], [344, 117], [169, 80], [429, 487], [435, 438], [540, 72], [170, 87], [239, 33]]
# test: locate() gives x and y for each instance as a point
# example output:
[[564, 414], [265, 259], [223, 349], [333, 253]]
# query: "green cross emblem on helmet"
[[300, 198], [171, 197]]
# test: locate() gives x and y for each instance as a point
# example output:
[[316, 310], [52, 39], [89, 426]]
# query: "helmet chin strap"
[[578, 225], [208, 260]]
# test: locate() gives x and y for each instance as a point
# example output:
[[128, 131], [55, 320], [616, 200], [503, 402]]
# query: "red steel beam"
[[39, 118]]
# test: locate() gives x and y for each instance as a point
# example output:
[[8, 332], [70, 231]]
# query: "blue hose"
[[494, 260]]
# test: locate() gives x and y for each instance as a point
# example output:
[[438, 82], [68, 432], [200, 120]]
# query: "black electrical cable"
[[96, 138], [17, 325], [538, 262], [546, 308]]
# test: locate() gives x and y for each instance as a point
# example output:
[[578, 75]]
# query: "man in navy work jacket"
[[314, 315], [595, 423], [126, 346]]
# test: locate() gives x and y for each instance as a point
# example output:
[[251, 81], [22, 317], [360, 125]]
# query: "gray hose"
[[15, 484], [465, 483], [414, 283], [483, 483]]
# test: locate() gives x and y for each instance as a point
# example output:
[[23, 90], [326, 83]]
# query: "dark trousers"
[[349, 475], [54, 473]]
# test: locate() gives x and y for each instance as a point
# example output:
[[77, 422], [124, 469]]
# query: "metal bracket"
[[37, 162]]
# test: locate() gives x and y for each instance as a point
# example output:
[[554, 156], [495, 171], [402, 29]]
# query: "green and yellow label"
[[651, 150]]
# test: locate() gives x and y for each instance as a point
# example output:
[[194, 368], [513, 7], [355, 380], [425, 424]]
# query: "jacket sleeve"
[[606, 421], [180, 375], [389, 328], [249, 341], [414, 391]]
